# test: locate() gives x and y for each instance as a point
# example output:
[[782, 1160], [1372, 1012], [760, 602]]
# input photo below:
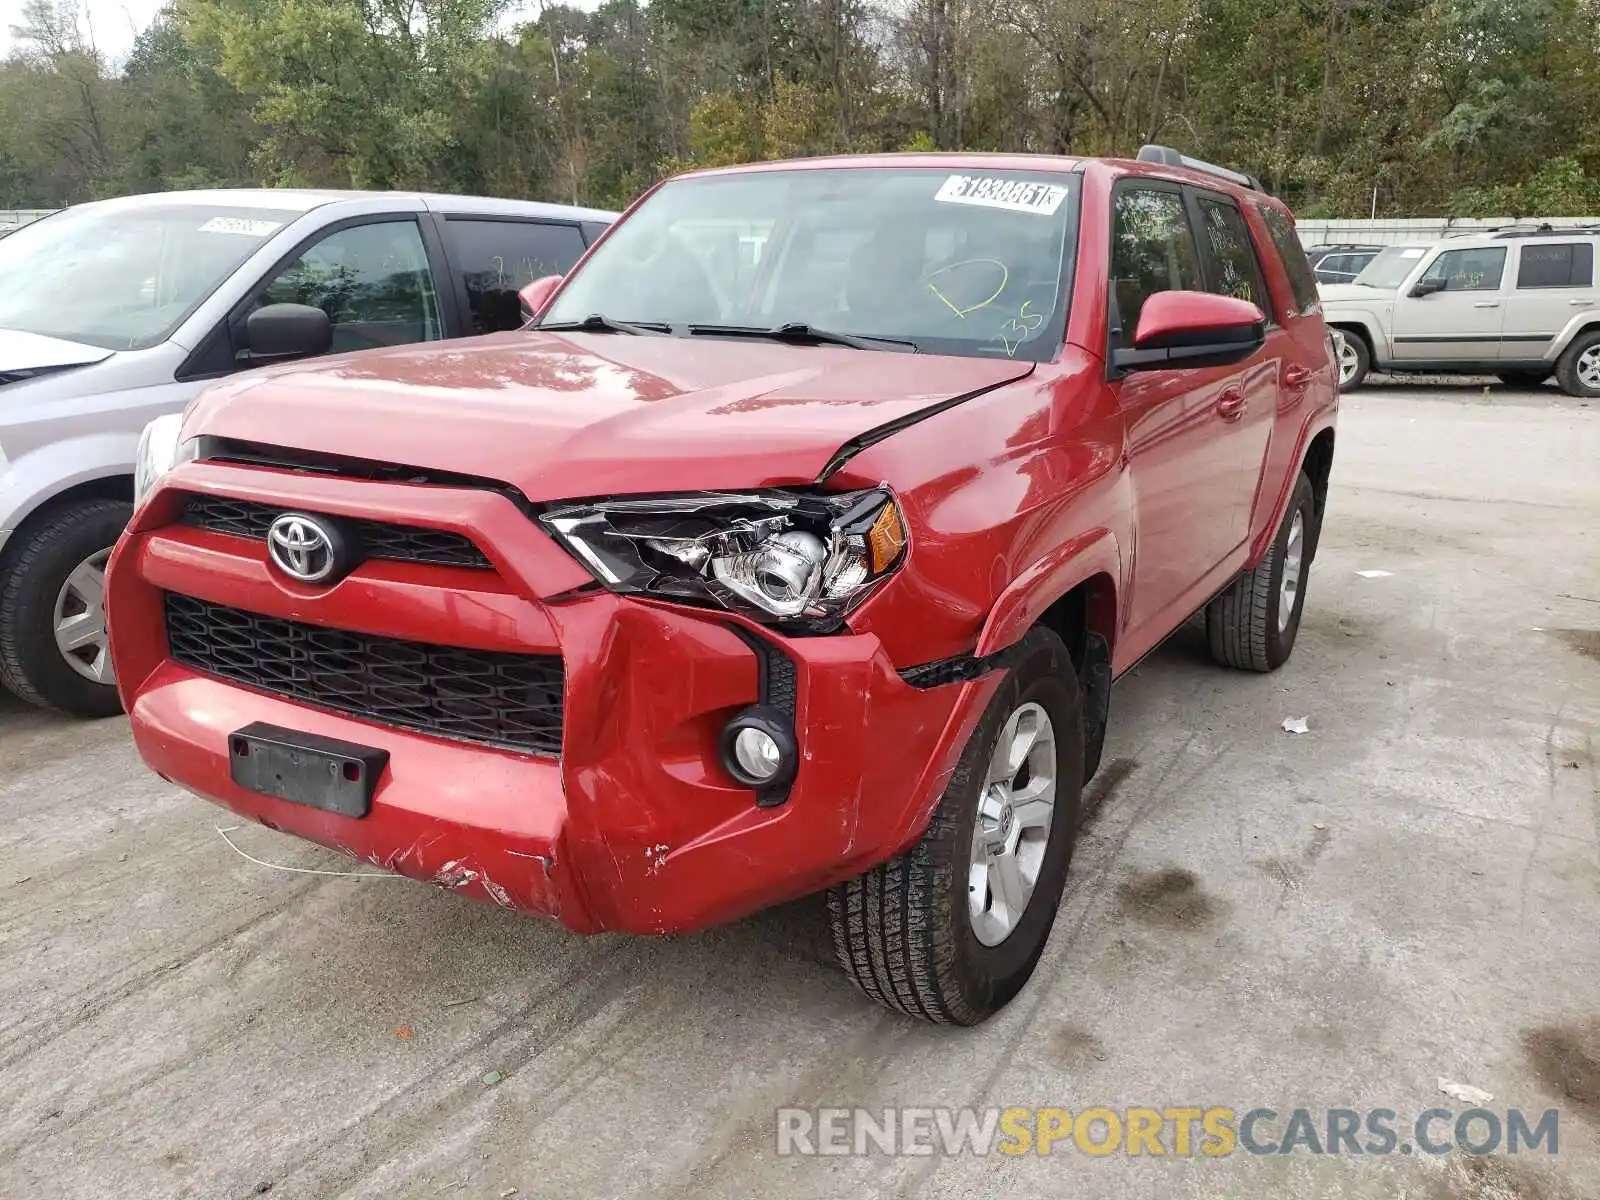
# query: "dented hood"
[[585, 414]]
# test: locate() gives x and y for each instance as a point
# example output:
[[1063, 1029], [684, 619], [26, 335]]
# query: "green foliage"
[[1456, 107]]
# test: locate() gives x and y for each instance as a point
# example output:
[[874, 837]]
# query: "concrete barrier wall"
[[12, 218]]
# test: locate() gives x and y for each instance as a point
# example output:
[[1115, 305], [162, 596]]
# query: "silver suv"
[[114, 313], [1519, 303]]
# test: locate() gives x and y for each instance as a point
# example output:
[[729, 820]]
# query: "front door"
[[1183, 466], [1461, 322]]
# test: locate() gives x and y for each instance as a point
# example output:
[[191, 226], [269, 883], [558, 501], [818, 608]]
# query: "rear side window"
[[499, 258], [1302, 282], [1152, 250], [1230, 256], [1569, 264]]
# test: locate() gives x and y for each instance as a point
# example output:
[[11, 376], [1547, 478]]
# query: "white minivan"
[[117, 312]]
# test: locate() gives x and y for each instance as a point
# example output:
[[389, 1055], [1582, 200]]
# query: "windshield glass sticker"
[[1016, 195], [244, 225]]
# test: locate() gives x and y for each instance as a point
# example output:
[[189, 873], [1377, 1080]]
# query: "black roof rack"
[[1169, 157], [1543, 229]]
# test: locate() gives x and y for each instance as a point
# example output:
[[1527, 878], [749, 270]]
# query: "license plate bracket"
[[306, 768]]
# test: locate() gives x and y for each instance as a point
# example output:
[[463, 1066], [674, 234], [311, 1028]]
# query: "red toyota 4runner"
[[795, 546]]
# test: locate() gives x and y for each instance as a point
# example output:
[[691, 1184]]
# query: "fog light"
[[757, 753], [759, 750]]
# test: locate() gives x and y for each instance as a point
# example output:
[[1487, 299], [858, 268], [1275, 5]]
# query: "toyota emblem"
[[303, 548]]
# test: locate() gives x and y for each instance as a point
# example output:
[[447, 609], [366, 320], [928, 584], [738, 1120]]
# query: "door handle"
[[1230, 405], [1296, 376], [1487, 304], [1580, 303]]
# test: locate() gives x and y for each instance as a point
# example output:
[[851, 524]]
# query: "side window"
[[1152, 250], [1477, 270], [1302, 282], [1564, 265], [498, 258], [373, 282], [1231, 258]]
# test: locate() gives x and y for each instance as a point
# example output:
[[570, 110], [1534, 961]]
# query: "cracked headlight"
[[793, 559]]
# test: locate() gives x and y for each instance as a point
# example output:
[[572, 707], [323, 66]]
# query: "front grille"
[[498, 699], [373, 539]]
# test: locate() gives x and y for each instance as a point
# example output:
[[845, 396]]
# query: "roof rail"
[[1544, 229], [1169, 157]]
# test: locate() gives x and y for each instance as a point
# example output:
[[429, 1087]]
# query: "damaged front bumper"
[[637, 824]]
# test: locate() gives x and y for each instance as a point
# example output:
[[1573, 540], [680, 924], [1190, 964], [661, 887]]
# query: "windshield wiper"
[[802, 334], [597, 323]]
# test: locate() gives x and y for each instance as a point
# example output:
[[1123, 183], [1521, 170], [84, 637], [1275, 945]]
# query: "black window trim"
[[1194, 196], [458, 289], [214, 355], [1574, 244]]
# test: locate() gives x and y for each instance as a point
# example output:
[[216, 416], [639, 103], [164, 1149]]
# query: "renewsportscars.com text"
[[1178, 1132]]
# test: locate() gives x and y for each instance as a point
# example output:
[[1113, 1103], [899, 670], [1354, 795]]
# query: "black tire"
[[1523, 379], [1363, 361], [31, 665], [1242, 623], [1567, 368], [902, 931]]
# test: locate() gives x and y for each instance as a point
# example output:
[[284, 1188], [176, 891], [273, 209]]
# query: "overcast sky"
[[116, 23]]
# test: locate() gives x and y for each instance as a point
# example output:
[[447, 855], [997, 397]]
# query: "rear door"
[[1233, 268], [1462, 323], [1553, 282], [493, 258]]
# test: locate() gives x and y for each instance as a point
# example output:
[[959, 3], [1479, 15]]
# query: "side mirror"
[[1193, 329], [1427, 287], [278, 331], [537, 294]]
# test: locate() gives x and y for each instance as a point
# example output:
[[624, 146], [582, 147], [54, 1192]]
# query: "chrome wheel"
[[1588, 371], [1015, 809], [1349, 360], [80, 620], [1294, 555]]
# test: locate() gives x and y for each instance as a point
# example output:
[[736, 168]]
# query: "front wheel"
[[1252, 625], [54, 652], [1355, 360], [951, 930]]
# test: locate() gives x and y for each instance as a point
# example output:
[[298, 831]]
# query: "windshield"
[[123, 277], [970, 263], [1390, 268]]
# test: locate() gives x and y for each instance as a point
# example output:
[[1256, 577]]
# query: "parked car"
[[1518, 303], [116, 312], [1340, 264], [701, 596]]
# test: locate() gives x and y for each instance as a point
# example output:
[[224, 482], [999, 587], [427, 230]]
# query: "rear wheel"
[[54, 652], [1355, 360], [951, 930], [1252, 625], [1578, 372]]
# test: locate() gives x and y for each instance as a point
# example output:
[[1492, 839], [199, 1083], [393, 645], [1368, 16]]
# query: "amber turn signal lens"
[[886, 539]]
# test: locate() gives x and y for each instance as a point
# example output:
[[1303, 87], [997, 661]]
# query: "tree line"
[[1420, 107]]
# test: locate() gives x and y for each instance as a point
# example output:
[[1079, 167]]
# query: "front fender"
[[1025, 599], [30, 482]]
